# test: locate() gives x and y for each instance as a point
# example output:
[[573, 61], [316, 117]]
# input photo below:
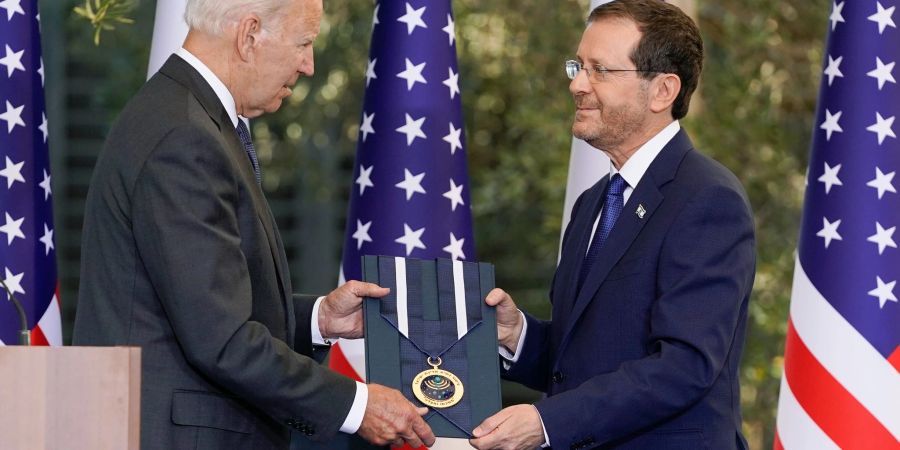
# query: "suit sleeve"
[[705, 274], [185, 221], [303, 306], [531, 367]]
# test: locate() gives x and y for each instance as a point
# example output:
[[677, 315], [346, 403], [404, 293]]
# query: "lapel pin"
[[640, 211]]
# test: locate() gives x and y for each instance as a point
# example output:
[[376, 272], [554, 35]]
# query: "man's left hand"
[[515, 428], [340, 314]]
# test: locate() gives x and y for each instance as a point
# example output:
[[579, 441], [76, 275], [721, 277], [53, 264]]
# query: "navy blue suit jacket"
[[646, 354]]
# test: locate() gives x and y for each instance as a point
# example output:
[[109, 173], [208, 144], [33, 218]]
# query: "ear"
[[249, 30], [663, 91]]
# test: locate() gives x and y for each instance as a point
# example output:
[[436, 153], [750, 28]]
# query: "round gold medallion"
[[436, 387]]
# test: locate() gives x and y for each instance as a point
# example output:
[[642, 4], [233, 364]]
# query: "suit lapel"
[[276, 246], [576, 248], [182, 72], [628, 226], [620, 238], [261, 206]]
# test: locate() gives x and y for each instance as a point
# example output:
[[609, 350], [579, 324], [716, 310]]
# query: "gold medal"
[[437, 388]]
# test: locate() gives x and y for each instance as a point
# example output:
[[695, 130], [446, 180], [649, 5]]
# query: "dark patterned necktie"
[[612, 207], [244, 134]]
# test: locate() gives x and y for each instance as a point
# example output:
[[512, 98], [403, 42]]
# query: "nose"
[[307, 64], [580, 84]]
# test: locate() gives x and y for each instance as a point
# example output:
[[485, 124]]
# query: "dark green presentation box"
[[434, 338]]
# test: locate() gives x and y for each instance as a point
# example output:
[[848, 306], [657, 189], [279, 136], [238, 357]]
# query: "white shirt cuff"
[[317, 338], [357, 411], [544, 429], [511, 358]]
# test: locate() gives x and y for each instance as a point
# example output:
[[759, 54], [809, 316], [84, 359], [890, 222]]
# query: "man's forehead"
[[611, 38], [311, 7], [305, 16]]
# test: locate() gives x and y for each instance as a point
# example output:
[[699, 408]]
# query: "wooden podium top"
[[70, 397]]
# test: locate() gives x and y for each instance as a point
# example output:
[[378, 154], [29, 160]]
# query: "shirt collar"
[[640, 161], [214, 82]]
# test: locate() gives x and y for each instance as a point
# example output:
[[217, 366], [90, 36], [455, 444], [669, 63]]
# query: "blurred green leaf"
[[102, 13]]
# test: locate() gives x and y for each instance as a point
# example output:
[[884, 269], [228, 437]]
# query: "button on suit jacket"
[[646, 354], [181, 256]]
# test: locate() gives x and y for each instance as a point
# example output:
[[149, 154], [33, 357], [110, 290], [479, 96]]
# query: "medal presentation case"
[[434, 339]]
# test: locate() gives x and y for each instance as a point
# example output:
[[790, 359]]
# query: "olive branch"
[[104, 15]]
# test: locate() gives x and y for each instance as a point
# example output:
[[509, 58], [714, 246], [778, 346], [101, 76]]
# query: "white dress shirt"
[[637, 165], [361, 398], [632, 172]]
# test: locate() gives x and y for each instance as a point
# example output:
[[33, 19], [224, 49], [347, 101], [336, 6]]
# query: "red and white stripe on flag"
[[837, 390], [48, 330]]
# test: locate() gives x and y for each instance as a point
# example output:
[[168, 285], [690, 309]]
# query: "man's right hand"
[[390, 419], [509, 319]]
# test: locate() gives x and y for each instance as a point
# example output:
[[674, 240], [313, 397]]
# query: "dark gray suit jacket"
[[181, 256]]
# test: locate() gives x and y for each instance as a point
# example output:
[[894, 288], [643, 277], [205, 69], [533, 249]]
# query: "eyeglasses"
[[597, 73]]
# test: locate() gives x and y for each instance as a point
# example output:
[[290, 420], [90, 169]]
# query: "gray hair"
[[212, 16]]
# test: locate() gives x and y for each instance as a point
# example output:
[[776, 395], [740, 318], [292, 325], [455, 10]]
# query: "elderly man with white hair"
[[181, 255]]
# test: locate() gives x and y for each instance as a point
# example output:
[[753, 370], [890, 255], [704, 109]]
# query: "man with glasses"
[[650, 296]]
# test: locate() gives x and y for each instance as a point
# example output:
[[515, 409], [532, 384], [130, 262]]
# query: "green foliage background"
[[754, 113]]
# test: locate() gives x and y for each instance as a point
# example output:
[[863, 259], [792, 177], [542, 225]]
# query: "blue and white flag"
[[841, 383], [169, 31], [27, 250], [587, 165]]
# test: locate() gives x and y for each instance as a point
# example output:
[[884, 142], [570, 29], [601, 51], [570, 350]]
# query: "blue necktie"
[[612, 207], [244, 134]]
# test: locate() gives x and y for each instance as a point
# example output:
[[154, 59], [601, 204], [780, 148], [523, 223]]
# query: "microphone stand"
[[24, 332]]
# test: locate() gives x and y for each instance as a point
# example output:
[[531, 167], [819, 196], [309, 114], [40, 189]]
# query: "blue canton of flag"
[[27, 251], [848, 243], [410, 195], [841, 383]]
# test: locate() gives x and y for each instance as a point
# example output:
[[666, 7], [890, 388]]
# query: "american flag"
[[841, 383], [27, 251], [410, 195]]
